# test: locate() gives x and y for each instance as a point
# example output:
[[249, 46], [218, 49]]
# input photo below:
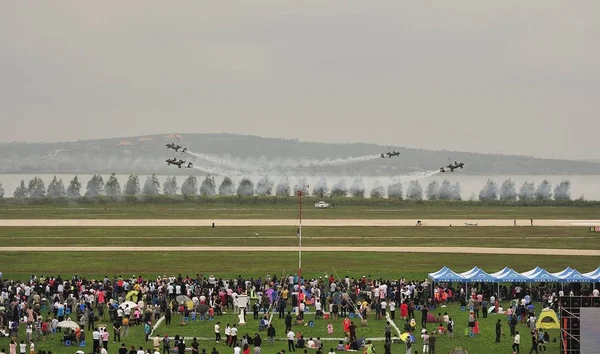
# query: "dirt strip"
[[448, 250]]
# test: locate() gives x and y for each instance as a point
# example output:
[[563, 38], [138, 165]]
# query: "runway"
[[287, 222], [446, 250]]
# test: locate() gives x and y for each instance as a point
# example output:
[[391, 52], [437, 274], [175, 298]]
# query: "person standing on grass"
[[388, 331], [168, 315], [195, 346], [271, 334], [498, 330], [541, 342], [352, 331], [484, 308], [516, 342], [166, 344], [450, 328], [432, 340], [425, 338], [512, 324], [96, 338], [290, 337], [117, 326], [424, 312], [288, 321], [234, 336], [227, 334], [217, 332], [534, 343]]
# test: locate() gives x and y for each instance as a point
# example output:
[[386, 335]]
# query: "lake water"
[[586, 185]]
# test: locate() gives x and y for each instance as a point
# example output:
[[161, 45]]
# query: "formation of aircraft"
[[179, 163], [391, 153], [452, 167]]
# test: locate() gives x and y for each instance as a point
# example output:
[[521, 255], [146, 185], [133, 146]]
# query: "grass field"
[[519, 237], [203, 330], [254, 264], [408, 210]]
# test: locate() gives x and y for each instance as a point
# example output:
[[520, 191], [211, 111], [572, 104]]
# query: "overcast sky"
[[516, 77]]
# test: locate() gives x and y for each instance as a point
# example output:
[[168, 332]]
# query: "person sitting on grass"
[[300, 342]]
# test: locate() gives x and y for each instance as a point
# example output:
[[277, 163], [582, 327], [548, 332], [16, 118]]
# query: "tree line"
[[265, 186]]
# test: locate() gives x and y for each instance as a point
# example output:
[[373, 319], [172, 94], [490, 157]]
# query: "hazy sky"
[[517, 77]]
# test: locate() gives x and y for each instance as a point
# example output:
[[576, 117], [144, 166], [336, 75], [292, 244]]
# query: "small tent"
[[548, 320]]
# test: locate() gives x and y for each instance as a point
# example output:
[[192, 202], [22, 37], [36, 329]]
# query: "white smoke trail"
[[415, 176], [218, 171], [264, 165]]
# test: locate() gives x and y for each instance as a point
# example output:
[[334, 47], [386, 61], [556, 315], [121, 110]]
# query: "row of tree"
[[266, 187], [507, 191]]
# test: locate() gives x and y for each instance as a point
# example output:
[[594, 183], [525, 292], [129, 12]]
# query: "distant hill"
[[147, 154]]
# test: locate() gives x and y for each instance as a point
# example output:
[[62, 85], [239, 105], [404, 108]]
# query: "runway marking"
[[447, 250]]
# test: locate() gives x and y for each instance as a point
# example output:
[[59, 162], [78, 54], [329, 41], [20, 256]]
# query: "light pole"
[[300, 192]]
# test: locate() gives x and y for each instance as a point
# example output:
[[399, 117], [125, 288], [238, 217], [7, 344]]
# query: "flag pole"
[[300, 192]]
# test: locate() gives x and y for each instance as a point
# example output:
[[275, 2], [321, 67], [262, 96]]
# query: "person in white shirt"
[[217, 332], [290, 337], [516, 342], [234, 334], [393, 309], [425, 338], [228, 333], [127, 311], [596, 293], [318, 309], [237, 350]]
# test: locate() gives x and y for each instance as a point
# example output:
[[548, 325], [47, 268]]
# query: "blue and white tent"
[[529, 273], [446, 275], [562, 273], [478, 275], [541, 275], [575, 277], [594, 275], [509, 275]]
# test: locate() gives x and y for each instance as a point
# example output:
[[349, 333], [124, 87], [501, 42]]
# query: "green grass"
[[482, 343], [400, 210], [523, 237], [254, 264]]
